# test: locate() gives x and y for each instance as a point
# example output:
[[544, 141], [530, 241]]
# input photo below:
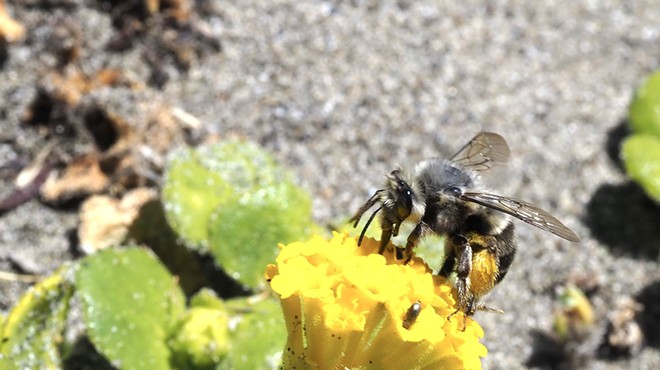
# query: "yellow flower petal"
[[344, 306]]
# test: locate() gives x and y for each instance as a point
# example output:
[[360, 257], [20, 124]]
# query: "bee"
[[445, 197], [411, 314]]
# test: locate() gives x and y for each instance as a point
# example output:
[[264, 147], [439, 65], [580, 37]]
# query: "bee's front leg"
[[385, 234], [413, 239]]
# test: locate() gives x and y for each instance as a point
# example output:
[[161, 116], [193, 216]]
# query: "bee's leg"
[[385, 235], [482, 307], [413, 239], [463, 269], [465, 316], [466, 301], [450, 261], [395, 232], [469, 311]]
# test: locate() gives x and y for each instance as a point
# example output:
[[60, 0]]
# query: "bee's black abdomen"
[[506, 241], [479, 224], [502, 244]]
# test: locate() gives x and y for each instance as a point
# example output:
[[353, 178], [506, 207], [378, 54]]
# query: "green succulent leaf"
[[208, 299], [245, 231], [199, 180], [641, 156], [190, 194], [130, 302], [32, 332], [644, 110], [259, 335], [200, 340]]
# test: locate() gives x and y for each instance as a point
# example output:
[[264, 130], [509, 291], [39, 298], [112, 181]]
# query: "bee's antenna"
[[373, 200], [366, 226]]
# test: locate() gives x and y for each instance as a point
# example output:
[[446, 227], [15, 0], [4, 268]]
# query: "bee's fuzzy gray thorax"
[[435, 175]]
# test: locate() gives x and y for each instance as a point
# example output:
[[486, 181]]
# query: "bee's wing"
[[523, 211], [483, 152]]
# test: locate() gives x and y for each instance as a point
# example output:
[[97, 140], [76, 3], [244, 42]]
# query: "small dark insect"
[[411, 314], [446, 197]]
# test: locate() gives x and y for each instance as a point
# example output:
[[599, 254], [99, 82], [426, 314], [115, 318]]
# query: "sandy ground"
[[342, 91]]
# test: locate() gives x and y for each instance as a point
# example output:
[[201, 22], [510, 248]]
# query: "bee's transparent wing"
[[523, 211], [484, 152]]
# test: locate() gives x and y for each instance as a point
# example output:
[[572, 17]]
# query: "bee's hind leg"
[[482, 307], [467, 309], [472, 307], [467, 303], [463, 269]]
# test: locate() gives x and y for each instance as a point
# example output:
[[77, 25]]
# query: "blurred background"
[[340, 92]]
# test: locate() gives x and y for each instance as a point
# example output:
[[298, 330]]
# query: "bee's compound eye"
[[403, 202], [454, 191]]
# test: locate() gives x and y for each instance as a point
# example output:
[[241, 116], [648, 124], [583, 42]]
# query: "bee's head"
[[401, 197]]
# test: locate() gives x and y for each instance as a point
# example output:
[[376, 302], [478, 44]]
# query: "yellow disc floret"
[[345, 308]]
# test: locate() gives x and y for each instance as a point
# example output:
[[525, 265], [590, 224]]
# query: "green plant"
[[230, 200], [32, 331], [644, 110], [641, 151], [641, 156], [233, 201]]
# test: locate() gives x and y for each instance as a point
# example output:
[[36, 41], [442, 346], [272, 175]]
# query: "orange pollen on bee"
[[484, 273]]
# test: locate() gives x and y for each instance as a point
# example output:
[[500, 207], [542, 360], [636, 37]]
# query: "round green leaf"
[[245, 231], [198, 180], [32, 331], [200, 340], [190, 193], [644, 111], [641, 156], [130, 302], [206, 298], [258, 337]]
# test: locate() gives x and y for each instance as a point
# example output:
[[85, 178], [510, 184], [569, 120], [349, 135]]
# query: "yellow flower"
[[345, 305]]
